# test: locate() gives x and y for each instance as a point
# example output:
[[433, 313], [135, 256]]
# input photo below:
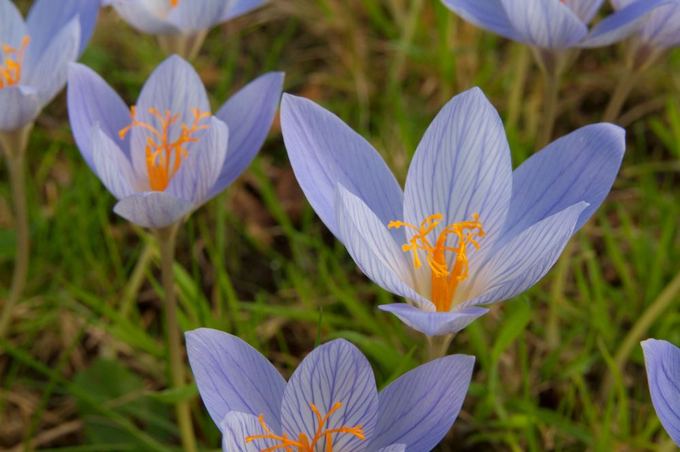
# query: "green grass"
[[84, 368]]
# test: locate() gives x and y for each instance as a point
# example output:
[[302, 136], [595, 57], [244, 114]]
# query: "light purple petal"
[[174, 87], [524, 260], [12, 26], [241, 7], [662, 28], [154, 209], [461, 167], [48, 17], [419, 408], [662, 360], [249, 115], [142, 15], [236, 427], [487, 14], [373, 248], [112, 166], [91, 101], [197, 15], [547, 24], [584, 9], [581, 166], [200, 169], [233, 376], [394, 448], [336, 372], [621, 24], [19, 106], [324, 152], [48, 74], [434, 323]]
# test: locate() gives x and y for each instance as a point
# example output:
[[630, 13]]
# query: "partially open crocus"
[[34, 55], [165, 156], [467, 231], [662, 360], [330, 402]]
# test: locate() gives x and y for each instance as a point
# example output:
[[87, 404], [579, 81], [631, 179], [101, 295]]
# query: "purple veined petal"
[[12, 26], [233, 376], [48, 74], [662, 360], [524, 260], [153, 209], [324, 151], [622, 23], [548, 24], [240, 7], [434, 323], [619, 4], [336, 372], [47, 18], [462, 167], [200, 169], [196, 15], [92, 101], [174, 87], [581, 166], [394, 448], [249, 114], [373, 248], [487, 14], [236, 427], [145, 16], [419, 408], [662, 28], [19, 106], [584, 9], [112, 166]]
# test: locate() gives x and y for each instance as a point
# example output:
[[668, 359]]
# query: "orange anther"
[[13, 61]]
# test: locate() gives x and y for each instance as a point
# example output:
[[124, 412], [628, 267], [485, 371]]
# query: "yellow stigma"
[[13, 61], [164, 157], [174, 3], [303, 443], [445, 279]]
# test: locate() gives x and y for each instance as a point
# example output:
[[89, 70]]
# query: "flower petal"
[[141, 16], [662, 360], [547, 24], [91, 101], [419, 408], [48, 74], [197, 15], [233, 376], [581, 166], [199, 171], [236, 427], [621, 24], [336, 372], [249, 115], [241, 7], [662, 28], [434, 323], [12, 26], [153, 209], [524, 260], [461, 167], [487, 14], [324, 152], [584, 9], [47, 18], [18, 106], [394, 448], [112, 166]]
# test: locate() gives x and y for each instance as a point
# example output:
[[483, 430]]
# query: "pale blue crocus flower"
[[330, 402], [167, 155], [467, 231], [35, 54], [662, 360]]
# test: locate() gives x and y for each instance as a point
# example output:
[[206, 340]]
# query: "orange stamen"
[[174, 3], [164, 157], [10, 70], [445, 280], [303, 444]]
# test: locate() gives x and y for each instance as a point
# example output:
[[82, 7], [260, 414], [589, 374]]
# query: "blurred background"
[[559, 368]]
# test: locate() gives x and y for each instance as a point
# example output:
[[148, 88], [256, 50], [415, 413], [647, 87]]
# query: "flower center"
[[445, 278], [174, 3], [13, 60], [303, 443], [164, 156]]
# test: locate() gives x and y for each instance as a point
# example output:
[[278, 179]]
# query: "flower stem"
[[550, 101], [166, 242], [628, 80], [185, 45], [14, 145], [437, 346]]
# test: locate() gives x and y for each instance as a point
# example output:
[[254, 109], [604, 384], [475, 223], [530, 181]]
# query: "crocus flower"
[[662, 360], [467, 231], [34, 55], [553, 24], [661, 28], [167, 155], [330, 402]]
